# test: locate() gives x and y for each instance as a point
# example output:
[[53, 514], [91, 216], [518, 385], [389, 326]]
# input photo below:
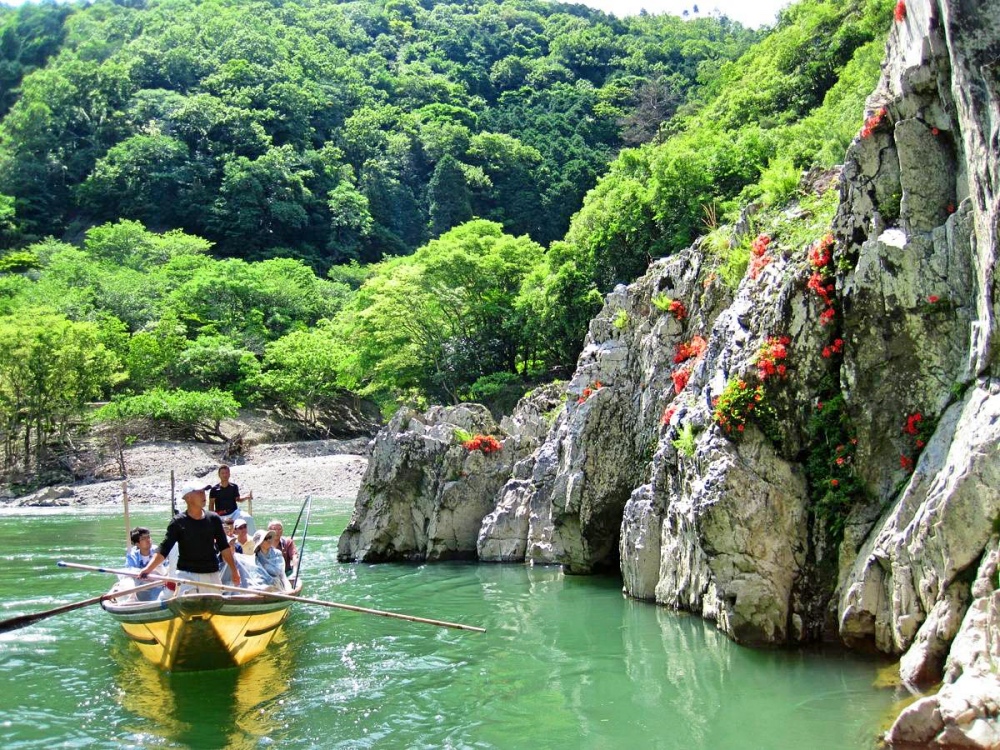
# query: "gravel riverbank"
[[274, 471]]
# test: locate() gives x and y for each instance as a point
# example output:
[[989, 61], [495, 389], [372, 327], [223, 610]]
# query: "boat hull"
[[201, 631]]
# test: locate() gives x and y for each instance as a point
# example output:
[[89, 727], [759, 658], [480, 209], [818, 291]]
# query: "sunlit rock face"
[[921, 309], [628, 468], [425, 494]]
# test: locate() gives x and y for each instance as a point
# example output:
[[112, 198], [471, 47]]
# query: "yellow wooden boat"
[[200, 631]]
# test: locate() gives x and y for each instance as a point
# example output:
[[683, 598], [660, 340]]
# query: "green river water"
[[567, 662]]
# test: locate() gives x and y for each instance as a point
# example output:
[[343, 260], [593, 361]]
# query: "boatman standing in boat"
[[199, 535], [224, 496]]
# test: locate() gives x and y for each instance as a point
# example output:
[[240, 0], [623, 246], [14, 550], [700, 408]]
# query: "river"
[[567, 662]]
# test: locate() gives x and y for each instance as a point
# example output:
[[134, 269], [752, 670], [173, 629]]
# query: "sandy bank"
[[277, 471]]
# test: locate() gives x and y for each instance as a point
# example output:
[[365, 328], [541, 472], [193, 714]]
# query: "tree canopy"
[[328, 131], [272, 202]]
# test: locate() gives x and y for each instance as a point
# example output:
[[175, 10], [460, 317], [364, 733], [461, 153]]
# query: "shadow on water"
[[229, 708]]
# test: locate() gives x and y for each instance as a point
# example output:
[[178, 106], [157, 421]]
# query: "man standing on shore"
[[199, 536], [224, 498]]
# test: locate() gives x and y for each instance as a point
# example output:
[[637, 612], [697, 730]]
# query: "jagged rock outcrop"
[[424, 494], [898, 330], [965, 711]]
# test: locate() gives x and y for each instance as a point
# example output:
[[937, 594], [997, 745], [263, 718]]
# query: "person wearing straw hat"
[[199, 537], [270, 563]]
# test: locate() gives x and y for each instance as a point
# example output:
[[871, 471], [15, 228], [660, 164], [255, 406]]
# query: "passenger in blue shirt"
[[139, 556]]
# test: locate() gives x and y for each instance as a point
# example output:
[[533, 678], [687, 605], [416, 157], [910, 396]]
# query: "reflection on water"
[[567, 664], [230, 708]]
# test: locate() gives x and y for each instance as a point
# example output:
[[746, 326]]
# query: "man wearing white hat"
[[199, 536]]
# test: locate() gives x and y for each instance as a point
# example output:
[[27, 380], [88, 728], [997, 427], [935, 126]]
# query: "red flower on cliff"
[[821, 251], [690, 349], [770, 355], [900, 12], [933, 298], [680, 378], [874, 122], [912, 426], [759, 246], [835, 348], [668, 414], [484, 443]]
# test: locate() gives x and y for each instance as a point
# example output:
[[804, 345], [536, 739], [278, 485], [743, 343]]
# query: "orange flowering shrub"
[[589, 391], [680, 377], [692, 349], [919, 429], [874, 122], [484, 443], [821, 283], [770, 357], [759, 259], [738, 402]]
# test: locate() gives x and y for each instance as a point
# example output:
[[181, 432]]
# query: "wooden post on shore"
[[128, 524]]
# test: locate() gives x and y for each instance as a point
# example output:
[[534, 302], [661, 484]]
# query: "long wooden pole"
[[13, 623], [272, 595], [128, 524]]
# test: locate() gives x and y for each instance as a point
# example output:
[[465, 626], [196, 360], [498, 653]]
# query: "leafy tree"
[[300, 374], [216, 363], [262, 198], [152, 354], [449, 196], [7, 227], [141, 178], [187, 413], [441, 319], [557, 301], [128, 244], [350, 220], [50, 367]]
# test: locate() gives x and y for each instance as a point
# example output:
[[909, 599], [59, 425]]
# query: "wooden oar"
[[21, 621], [272, 595]]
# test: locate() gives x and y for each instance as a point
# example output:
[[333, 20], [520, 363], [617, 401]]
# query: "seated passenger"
[[234, 543], [243, 536], [138, 556], [270, 569], [285, 545], [247, 569]]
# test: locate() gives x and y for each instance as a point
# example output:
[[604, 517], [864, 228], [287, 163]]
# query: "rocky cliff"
[[814, 453]]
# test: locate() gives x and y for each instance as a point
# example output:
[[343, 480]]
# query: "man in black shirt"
[[224, 496], [199, 536]]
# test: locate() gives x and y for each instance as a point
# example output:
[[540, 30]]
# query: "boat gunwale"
[[238, 605]]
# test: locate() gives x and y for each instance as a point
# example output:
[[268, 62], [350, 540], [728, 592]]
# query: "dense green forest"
[[331, 131], [212, 204]]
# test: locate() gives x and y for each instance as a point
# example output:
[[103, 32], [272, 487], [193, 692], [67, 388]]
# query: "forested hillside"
[[330, 131], [176, 178]]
